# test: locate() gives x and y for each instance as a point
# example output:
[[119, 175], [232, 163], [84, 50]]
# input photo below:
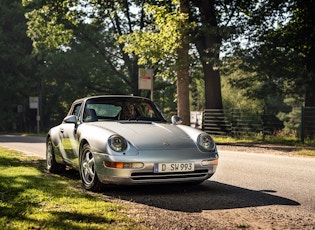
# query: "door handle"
[[62, 130]]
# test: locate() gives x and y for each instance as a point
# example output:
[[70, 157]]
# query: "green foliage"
[[279, 51], [197, 90], [77, 52], [164, 94], [292, 119], [17, 66], [239, 98], [80, 50], [77, 73], [31, 199], [47, 24], [160, 41]]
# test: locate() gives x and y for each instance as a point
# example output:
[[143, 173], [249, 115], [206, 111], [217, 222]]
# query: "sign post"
[[146, 80], [34, 104]]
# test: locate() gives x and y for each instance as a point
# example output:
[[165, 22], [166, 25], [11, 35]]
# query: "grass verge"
[[304, 149], [32, 199]]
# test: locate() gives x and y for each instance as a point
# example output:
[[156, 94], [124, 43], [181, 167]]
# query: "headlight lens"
[[117, 143], [206, 142]]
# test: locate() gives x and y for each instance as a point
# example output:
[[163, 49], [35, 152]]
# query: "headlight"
[[205, 142], [117, 143]]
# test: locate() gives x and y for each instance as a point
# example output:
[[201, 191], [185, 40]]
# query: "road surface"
[[31, 145], [261, 190]]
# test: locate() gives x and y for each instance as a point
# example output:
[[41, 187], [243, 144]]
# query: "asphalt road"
[[242, 180], [31, 145]]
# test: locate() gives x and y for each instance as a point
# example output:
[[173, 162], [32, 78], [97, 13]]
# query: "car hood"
[[150, 136]]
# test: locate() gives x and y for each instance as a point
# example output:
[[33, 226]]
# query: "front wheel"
[[51, 164], [88, 175]]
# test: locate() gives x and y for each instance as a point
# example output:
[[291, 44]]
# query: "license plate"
[[173, 167]]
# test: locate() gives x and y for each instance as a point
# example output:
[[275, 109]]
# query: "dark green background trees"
[[262, 52], [279, 55], [17, 65]]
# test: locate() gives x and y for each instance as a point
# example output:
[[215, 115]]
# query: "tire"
[[88, 175], [51, 164]]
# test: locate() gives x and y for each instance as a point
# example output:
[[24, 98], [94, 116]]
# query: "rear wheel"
[[88, 175], [51, 163]]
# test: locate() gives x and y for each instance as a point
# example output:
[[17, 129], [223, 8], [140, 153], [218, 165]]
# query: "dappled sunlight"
[[32, 199]]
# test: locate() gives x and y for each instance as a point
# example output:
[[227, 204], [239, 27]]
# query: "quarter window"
[[76, 110]]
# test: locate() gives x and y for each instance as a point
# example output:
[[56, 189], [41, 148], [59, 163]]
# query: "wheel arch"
[[82, 143]]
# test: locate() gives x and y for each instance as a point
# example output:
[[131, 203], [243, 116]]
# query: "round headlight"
[[117, 143], [206, 142]]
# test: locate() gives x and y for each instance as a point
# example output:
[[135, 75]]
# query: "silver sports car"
[[127, 140]]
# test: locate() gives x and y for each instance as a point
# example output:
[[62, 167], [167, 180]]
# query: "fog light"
[[136, 165], [120, 165], [210, 162]]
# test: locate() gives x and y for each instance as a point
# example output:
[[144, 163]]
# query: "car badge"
[[166, 143]]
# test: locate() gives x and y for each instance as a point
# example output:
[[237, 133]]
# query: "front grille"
[[165, 176]]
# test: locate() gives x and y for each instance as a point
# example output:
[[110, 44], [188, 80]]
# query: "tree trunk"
[[212, 88], [183, 84], [183, 73], [208, 44]]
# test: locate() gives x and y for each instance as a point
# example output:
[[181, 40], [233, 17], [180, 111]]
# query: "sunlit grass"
[[306, 149], [32, 199], [306, 152]]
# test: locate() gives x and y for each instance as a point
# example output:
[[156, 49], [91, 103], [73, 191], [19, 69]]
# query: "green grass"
[[257, 139], [32, 199], [304, 149], [305, 152]]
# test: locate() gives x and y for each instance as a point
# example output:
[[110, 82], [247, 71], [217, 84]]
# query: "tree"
[[208, 43], [183, 68], [78, 72], [208, 24], [59, 24], [169, 34], [280, 54], [77, 51], [303, 27], [162, 35], [16, 68]]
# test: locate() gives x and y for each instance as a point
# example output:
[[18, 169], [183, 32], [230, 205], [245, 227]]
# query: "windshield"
[[121, 108]]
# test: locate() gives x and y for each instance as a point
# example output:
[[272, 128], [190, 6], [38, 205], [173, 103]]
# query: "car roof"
[[109, 96], [116, 96]]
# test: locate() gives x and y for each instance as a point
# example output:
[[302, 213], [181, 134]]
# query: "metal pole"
[[37, 119], [152, 88], [302, 124]]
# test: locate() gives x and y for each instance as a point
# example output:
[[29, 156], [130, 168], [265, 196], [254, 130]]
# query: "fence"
[[307, 122], [237, 122], [215, 122]]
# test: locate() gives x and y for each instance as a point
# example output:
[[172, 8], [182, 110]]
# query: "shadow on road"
[[209, 195]]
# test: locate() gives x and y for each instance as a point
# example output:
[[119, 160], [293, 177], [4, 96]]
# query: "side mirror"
[[70, 119], [176, 120]]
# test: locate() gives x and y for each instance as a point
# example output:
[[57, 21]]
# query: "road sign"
[[145, 78], [34, 102]]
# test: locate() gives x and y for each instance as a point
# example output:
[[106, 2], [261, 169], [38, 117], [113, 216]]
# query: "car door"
[[69, 138]]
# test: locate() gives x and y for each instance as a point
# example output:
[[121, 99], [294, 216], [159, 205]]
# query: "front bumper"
[[146, 174]]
